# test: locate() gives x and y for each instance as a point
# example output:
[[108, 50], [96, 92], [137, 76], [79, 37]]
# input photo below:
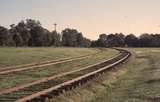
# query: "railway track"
[[24, 67], [9, 90], [47, 88]]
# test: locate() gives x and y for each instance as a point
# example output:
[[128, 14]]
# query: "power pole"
[[55, 27]]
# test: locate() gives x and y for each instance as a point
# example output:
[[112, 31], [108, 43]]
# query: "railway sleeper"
[[54, 93], [43, 98], [38, 99], [68, 87]]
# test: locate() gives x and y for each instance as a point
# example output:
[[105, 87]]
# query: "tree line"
[[120, 40], [31, 33]]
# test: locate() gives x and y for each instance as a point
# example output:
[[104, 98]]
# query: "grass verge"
[[136, 81], [17, 56]]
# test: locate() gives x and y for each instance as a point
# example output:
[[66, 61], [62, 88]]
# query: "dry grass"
[[16, 56], [136, 81]]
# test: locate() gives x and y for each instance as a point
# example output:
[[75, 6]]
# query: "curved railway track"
[[24, 67], [52, 86], [9, 90]]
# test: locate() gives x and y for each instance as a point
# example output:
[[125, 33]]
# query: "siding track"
[[30, 66]]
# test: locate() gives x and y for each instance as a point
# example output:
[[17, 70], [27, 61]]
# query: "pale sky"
[[92, 17]]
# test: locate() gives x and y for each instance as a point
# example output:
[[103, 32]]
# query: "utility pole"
[[55, 27]]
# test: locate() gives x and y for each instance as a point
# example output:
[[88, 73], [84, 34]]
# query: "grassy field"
[[16, 56], [15, 79], [136, 81]]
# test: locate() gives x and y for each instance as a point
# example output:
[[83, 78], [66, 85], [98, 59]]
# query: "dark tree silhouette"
[[145, 40], [18, 41], [3, 36], [24, 32], [56, 39], [30, 32], [131, 40], [69, 37], [73, 38], [94, 43], [102, 41], [86, 42], [37, 34], [155, 40]]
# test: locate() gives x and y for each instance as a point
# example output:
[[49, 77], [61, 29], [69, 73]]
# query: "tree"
[[30, 23], [3, 36], [33, 34], [86, 42], [56, 39], [145, 40], [80, 40], [120, 39], [102, 41], [37, 34], [73, 38], [16, 36], [111, 41], [131, 40], [155, 40], [69, 37], [24, 32], [94, 43], [46, 38]]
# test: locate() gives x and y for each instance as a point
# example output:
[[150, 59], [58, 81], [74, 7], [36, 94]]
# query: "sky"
[[91, 17]]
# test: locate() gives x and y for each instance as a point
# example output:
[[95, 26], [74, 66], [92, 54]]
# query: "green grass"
[[15, 79], [136, 81], [16, 56]]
